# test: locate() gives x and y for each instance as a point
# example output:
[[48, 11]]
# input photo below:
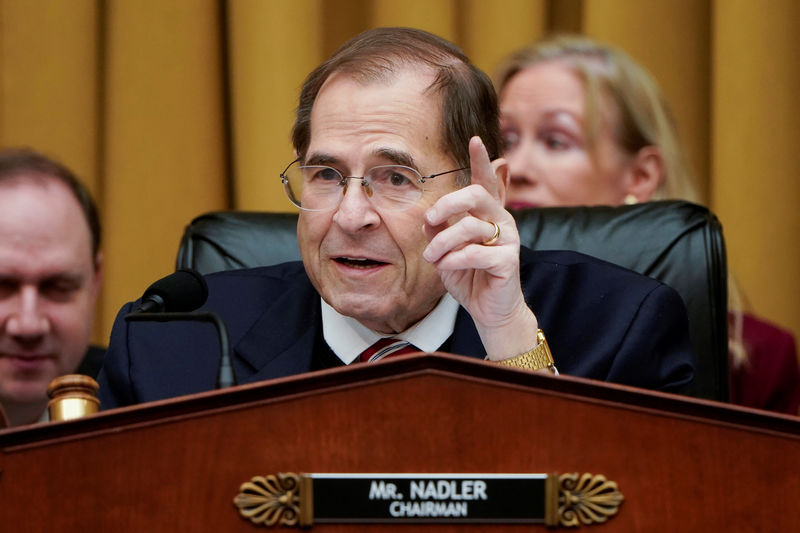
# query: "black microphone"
[[174, 297], [182, 291]]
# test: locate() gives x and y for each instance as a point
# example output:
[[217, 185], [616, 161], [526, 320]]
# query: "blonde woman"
[[584, 124]]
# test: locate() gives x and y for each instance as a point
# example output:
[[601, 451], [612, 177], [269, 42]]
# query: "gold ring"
[[494, 237]]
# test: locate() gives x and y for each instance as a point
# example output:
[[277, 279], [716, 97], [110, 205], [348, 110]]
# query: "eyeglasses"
[[321, 188]]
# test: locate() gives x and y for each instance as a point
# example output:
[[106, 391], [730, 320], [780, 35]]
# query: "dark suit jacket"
[[601, 321], [92, 362]]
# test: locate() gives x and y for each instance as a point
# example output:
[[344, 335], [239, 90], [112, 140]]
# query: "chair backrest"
[[676, 242]]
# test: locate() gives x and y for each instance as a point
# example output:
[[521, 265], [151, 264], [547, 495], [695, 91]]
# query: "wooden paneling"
[[682, 464]]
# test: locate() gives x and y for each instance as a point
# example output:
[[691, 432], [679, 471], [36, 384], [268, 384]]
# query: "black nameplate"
[[429, 497]]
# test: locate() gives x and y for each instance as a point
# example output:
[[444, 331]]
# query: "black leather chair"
[[677, 242]]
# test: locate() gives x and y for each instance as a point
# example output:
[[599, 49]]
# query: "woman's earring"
[[630, 200]]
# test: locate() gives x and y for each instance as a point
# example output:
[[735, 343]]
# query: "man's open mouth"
[[359, 263]]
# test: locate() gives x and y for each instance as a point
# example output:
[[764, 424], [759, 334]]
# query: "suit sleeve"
[[656, 351], [116, 387]]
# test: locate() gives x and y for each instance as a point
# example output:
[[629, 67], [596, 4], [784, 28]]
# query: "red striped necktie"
[[387, 347]]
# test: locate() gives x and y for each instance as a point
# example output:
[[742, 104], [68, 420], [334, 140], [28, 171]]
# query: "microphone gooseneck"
[[175, 298]]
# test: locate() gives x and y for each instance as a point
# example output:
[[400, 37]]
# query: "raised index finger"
[[482, 170]]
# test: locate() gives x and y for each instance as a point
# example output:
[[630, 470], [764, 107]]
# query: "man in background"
[[50, 276]]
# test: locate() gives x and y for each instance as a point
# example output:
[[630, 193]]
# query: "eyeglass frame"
[[364, 183]]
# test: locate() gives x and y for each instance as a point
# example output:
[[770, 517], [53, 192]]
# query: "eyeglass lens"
[[319, 188]]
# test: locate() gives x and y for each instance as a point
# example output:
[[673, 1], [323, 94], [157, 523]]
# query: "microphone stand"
[[225, 376]]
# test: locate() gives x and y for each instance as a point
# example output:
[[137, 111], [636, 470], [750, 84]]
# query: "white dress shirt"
[[347, 337]]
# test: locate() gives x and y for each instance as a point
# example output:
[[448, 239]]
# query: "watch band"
[[535, 359]]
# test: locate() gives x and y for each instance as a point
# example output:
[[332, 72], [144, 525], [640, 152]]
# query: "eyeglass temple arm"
[[423, 178]]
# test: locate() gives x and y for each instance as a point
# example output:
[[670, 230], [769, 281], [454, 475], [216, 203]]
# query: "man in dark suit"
[[50, 275], [403, 235]]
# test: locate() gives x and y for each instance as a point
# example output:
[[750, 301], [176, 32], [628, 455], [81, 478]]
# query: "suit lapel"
[[466, 340], [281, 340]]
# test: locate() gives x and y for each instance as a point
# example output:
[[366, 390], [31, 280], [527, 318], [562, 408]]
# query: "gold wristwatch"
[[536, 359]]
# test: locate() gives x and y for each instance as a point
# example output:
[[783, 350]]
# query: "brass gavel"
[[72, 396]]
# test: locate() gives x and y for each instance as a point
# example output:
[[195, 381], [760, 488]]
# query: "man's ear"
[[645, 173], [503, 175], [97, 279]]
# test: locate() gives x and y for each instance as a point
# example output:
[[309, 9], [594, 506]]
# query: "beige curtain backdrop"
[[170, 108]]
